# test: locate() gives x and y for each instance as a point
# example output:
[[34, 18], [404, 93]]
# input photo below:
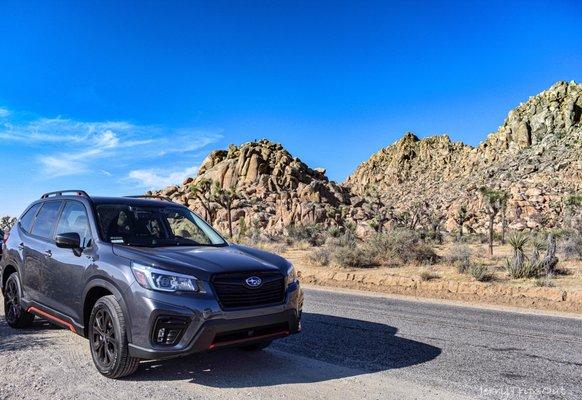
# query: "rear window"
[[28, 217], [46, 219]]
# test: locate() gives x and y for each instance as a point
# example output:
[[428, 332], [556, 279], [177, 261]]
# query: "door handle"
[[48, 254]]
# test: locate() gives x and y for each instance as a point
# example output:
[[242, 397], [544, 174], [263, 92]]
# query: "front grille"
[[233, 293]]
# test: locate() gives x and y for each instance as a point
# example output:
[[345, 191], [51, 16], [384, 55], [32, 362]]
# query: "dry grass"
[[446, 270], [428, 276]]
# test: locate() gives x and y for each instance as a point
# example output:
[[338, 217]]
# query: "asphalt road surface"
[[353, 346]]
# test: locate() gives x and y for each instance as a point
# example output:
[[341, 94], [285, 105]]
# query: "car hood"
[[204, 261]]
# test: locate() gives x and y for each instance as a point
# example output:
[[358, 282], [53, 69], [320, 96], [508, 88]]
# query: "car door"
[[24, 225], [38, 249], [67, 268]]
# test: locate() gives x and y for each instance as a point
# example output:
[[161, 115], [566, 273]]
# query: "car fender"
[[101, 281]]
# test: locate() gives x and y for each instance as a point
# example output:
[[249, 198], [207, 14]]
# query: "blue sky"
[[119, 97]]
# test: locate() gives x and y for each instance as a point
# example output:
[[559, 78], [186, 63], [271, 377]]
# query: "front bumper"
[[209, 326]]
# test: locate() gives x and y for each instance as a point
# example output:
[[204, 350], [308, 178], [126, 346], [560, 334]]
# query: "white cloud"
[[4, 112], [154, 179], [62, 166], [186, 141], [71, 147]]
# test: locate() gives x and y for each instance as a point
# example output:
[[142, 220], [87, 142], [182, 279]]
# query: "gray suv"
[[143, 278]]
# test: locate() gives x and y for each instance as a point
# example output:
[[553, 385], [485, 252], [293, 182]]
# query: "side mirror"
[[69, 240]]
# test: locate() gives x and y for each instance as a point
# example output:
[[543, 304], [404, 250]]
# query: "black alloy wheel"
[[108, 339], [105, 343], [15, 315]]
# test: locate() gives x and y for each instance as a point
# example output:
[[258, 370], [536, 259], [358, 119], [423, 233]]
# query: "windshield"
[[154, 226]]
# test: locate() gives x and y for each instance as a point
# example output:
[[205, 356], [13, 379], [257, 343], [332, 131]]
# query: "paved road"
[[353, 346]]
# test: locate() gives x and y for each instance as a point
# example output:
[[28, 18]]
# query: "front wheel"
[[108, 340], [16, 316]]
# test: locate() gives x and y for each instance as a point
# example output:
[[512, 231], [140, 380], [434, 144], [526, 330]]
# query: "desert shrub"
[[428, 276], [344, 240], [546, 281], [320, 256], [312, 234], [278, 248], [353, 257], [423, 253], [460, 256], [481, 273], [334, 231], [538, 245], [481, 238], [401, 244], [525, 269], [571, 246]]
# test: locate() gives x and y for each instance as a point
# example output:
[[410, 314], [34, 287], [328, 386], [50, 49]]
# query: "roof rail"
[[148, 196], [61, 193]]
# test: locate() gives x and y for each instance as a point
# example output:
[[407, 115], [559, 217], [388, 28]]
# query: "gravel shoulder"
[[354, 346]]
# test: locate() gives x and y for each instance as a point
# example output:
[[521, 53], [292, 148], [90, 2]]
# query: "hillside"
[[535, 155], [275, 189]]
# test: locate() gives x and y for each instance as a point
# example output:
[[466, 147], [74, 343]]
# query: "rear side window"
[[46, 219], [28, 217]]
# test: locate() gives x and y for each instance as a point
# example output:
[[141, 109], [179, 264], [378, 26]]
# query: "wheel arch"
[[6, 272], [95, 289]]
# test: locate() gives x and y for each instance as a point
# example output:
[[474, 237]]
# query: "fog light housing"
[[168, 330]]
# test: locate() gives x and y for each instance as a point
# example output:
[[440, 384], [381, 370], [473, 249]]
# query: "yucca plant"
[[526, 269], [481, 273], [518, 240], [519, 267]]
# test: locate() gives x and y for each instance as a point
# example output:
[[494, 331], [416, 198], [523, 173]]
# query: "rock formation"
[[275, 189], [535, 156]]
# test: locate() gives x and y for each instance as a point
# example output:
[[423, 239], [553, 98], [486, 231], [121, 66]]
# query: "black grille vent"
[[232, 291]]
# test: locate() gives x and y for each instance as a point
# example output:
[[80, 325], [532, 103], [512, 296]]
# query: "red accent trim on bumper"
[[59, 321], [251, 339]]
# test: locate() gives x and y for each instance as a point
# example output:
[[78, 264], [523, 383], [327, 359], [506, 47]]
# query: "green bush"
[[353, 257], [403, 245], [546, 281], [571, 246], [334, 231], [312, 234], [525, 269], [320, 256], [344, 240], [481, 273], [460, 256]]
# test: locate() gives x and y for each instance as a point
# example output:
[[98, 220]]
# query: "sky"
[[118, 97]]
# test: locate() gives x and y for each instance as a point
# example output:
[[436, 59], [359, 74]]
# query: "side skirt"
[[54, 317]]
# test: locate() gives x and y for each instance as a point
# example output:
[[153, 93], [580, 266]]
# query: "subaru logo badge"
[[254, 281]]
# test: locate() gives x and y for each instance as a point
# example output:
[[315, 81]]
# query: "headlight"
[[165, 281], [291, 274]]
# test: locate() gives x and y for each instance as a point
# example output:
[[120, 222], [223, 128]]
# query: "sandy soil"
[[502, 290]]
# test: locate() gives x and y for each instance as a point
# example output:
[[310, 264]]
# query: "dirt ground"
[[565, 294]]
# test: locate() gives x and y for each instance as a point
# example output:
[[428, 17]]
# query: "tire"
[[16, 316], [257, 346], [108, 340]]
